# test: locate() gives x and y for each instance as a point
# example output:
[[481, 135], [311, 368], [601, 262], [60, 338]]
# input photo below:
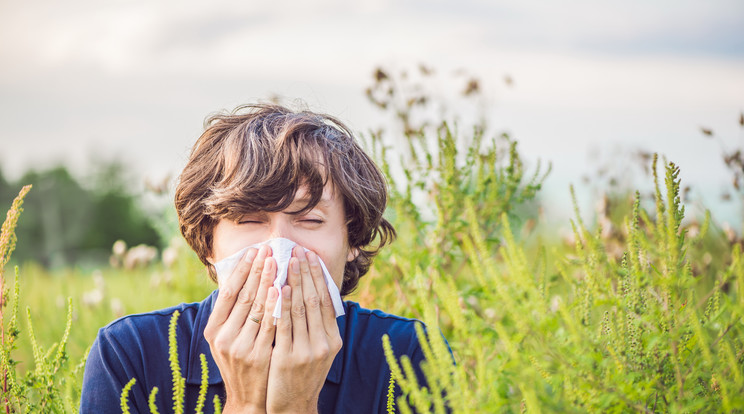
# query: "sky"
[[592, 81]]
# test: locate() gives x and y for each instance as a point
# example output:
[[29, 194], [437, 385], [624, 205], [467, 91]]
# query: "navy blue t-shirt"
[[136, 346]]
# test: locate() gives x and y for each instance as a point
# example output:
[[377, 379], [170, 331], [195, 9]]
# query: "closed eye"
[[314, 221]]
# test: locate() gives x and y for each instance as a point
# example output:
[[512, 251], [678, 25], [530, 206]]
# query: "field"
[[639, 310]]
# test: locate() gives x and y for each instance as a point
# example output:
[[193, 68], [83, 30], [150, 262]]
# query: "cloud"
[[273, 38]]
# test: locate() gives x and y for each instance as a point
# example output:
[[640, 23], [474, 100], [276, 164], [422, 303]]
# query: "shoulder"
[[149, 322], [149, 331], [137, 346], [376, 316], [372, 324]]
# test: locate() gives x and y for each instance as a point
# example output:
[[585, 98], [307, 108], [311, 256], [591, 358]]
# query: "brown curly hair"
[[256, 158]]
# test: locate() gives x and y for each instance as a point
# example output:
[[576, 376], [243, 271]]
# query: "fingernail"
[[286, 290], [295, 266], [273, 293]]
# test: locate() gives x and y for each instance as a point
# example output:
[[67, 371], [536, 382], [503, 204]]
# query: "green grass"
[[123, 292]]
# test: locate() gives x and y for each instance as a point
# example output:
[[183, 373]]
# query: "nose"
[[280, 226]]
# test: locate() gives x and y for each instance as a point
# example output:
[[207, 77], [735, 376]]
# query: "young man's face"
[[322, 230]]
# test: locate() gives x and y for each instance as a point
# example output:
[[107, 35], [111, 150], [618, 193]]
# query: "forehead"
[[329, 199]]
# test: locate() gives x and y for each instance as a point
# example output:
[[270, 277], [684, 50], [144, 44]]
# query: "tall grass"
[[640, 318], [591, 332], [51, 386]]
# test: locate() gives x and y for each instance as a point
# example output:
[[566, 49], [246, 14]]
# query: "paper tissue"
[[281, 249]]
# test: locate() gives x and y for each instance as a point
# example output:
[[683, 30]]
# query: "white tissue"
[[281, 251]]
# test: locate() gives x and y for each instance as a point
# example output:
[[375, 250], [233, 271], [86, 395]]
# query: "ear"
[[353, 253], [210, 260]]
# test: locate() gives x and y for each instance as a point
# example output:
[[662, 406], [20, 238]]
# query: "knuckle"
[[336, 343], [321, 352], [236, 352], [304, 266], [303, 358], [325, 300], [267, 327], [227, 293], [209, 333], [245, 297], [284, 325], [220, 344], [313, 302], [208, 337], [298, 310], [266, 281], [253, 360], [243, 267], [315, 268], [258, 307]]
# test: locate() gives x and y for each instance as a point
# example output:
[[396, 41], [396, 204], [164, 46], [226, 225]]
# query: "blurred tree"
[[115, 205], [54, 218], [67, 223]]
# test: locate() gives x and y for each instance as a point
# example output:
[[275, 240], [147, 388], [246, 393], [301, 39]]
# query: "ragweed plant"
[[435, 169], [642, 333], [9, 335], [51, 386]]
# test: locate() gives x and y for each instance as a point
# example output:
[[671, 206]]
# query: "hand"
[[240, 346], [307, 338]]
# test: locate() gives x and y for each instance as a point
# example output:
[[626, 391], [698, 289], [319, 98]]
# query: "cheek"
[[227, 238], [334, 260], [337, 272]]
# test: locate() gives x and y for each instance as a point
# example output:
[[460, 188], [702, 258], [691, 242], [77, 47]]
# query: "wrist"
[[311, 408], [233, 409]]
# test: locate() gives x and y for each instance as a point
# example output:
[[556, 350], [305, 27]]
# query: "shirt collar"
[[199, 345]]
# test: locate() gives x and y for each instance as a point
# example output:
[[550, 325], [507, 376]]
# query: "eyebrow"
[[323, 203]]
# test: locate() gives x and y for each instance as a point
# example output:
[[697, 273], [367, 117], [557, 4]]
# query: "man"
[[258, 174]]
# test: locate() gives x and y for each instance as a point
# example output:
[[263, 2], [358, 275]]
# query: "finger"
[[253, 322], [262, 347], [268, 275], [327, 311], [263, 252], [299, 318], [315, 327], [231, 288], [284, 324], [246, 297]]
